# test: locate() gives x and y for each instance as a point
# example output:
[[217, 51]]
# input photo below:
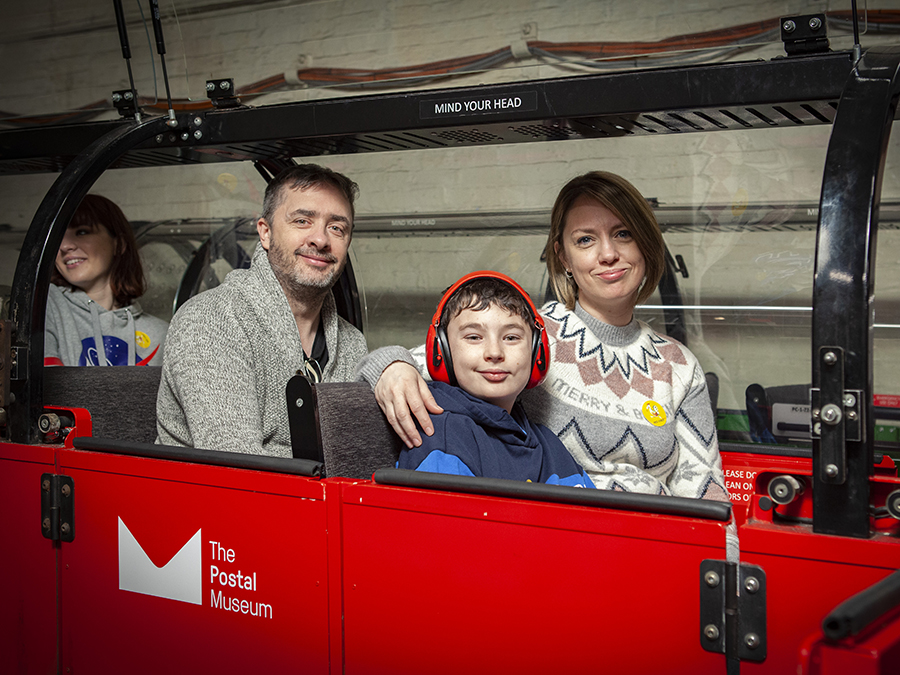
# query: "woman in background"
[[93, 317]]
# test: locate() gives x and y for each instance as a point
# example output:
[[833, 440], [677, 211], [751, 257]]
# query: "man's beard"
[[302, 284]]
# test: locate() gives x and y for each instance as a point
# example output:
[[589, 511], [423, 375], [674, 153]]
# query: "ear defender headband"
[[437, 346]]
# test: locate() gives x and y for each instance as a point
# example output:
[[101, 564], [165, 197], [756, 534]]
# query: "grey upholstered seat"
[[121, 399], [355, 435]]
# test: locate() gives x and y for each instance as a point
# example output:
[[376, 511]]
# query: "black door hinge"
[[57, 507], [733, 610]]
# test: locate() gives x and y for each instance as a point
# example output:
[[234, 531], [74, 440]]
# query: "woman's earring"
[[568, 274]]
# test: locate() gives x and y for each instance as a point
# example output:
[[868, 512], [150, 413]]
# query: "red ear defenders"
[[437, 347]]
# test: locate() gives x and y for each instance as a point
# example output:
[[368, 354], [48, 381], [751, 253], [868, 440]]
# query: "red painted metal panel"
[[465, 583], [28, 600], [249, 547], [742, 472], [808, 575], [875, 652]]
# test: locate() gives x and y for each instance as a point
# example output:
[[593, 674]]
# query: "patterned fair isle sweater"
[[630, 405]]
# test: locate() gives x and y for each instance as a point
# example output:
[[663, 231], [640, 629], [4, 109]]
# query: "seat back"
[[778, 414], [121, 399], [355, 436]]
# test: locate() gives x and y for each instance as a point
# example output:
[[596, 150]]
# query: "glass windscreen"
[[738, 211]]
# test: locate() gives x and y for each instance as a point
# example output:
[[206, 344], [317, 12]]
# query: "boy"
[[485, 345]]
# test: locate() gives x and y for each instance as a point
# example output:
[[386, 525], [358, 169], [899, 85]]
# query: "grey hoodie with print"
[[75, 325]]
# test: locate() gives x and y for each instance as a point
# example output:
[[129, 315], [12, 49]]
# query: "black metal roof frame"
[[784, 92], [778, 93]]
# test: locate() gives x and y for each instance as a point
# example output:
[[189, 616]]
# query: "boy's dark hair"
[[304, 176], [483, 292], [126, 275]]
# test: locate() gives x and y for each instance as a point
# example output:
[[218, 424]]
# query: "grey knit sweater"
[[229, 355]]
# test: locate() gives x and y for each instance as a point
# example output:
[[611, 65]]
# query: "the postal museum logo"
[[179, 579], [182, 577]]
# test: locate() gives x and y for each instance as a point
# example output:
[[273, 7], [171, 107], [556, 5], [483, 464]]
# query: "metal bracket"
[[57, 507], [18, 365], [837, 416], [6, 357], [730, 594], [221, 93], [125, 103], [807, 34]]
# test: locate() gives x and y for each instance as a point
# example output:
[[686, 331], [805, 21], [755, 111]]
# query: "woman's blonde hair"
[[629, 206]]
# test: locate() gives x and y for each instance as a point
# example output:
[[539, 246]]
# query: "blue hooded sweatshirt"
[[476, 438]]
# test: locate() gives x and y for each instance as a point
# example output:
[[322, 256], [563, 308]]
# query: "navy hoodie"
[[476, 438]]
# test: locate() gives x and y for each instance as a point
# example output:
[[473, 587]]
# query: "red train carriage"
[[123, 555]]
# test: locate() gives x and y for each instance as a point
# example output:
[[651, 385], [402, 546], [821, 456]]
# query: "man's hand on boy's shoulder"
[[405, 399]]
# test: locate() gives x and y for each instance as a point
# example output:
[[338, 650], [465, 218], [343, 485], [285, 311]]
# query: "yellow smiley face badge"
[[654, 413], [142, 339]]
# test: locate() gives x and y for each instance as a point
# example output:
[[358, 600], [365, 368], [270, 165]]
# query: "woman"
[[630, 405], [92, 315]]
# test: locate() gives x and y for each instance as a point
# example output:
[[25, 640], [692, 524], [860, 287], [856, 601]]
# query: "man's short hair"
[[481, 293], [305, 176]]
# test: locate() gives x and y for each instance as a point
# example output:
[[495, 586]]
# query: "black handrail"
[[294, 467], [864, 608], [560, 494]]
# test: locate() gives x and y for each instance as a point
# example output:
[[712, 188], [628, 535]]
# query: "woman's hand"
[[405, 399]]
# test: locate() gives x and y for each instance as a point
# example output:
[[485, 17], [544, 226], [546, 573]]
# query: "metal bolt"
[[831, 470], [831, 414], [849, 400], [116, 98], [299, 403], [830, 358], [712, 579], [816, 414], [198, 134], [65, 528], [711, 632], [817, 428], [788, 26], [851, 415], [185, 136], [128, 96], [46, 523], [225, 85], [780, 491], [815, 23], [210, 86], [159, 138], [751, 584], [66, 490], [198, 121], [752, 640], [45, 485]]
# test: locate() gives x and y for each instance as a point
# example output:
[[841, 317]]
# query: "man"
[[230, 351]]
